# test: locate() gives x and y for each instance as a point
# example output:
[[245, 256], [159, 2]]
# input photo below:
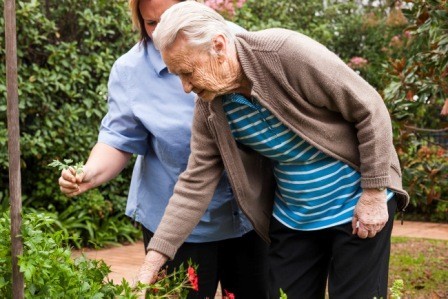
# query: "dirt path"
[[414, 229]]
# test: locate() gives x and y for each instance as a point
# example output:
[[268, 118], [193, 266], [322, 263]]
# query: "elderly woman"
[[278, 98]]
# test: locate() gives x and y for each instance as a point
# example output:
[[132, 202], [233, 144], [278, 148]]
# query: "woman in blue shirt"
[[150, 115]]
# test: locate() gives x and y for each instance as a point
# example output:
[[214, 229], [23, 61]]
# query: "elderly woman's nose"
[[188, 87]]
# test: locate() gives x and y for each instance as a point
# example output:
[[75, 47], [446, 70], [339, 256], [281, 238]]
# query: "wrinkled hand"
[[149, 270], [371, 214], [72, 183]]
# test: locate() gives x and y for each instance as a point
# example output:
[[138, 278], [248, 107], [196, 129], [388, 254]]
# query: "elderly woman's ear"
[[219, 47]]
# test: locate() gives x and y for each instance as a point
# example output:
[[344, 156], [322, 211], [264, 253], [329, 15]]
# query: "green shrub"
[[50, 271], [347, 28], [294, 15], [417, 87], [65, 51], [417, 79], [48, 268], [425, 178]]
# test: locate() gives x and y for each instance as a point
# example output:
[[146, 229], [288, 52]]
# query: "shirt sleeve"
[[120, 128]]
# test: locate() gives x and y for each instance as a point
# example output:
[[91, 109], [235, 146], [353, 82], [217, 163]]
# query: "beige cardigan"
[[317, 96]]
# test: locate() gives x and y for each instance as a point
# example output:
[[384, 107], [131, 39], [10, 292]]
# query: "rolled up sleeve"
[[120, 128]]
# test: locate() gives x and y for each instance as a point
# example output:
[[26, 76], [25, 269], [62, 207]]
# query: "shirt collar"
[[240, 99], [155, 57]]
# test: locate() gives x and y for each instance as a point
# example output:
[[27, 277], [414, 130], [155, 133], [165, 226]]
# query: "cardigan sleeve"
[[326, 82], [193, 190]]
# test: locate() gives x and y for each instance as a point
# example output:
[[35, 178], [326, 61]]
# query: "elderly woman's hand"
[[151, 266], [371, 214]]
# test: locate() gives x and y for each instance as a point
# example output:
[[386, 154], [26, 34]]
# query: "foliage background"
[[417, 88], [66, 49], [65, 52]]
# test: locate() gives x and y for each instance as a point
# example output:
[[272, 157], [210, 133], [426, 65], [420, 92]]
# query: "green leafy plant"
[[50, 271], [67, 164], [91, 219], [418, 83], [294, 15], [348, 28], [46, 263], [65, 52], [426, 177], [396, 291], [417, 87], [283, 295]]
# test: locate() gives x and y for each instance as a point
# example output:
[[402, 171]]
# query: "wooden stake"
[[13, 146]]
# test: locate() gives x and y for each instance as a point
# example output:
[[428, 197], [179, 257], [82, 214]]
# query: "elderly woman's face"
[[206, 74], [151, 10]]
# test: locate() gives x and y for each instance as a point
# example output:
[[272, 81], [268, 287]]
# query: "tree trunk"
[[13, 146]]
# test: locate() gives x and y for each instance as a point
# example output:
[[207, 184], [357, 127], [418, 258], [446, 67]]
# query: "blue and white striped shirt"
[[314, 190]]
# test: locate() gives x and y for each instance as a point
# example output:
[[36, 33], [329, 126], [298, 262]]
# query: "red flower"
[[229, 295], [193, 278]]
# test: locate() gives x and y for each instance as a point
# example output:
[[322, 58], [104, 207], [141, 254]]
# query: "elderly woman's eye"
[[151, 23]]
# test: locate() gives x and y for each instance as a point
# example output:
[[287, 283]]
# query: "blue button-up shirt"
[[150, 115]]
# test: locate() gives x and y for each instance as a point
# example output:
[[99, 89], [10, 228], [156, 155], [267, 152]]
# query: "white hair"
[[198, 23]]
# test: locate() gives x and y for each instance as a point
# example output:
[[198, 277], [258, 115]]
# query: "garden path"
[[125, 261]]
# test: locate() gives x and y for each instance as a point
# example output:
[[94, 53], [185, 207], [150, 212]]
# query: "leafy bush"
[[425, 176], [354, 31], [50, 271], [347, 28], [418, 83], [417, 87], [47, 266], [295, 15], [65, 52]]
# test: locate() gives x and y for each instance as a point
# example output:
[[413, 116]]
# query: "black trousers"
[[240, 264], [301, 261]]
